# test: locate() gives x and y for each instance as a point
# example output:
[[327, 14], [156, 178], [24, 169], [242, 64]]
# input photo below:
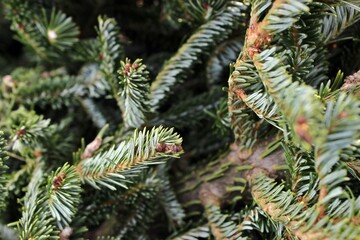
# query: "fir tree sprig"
[[300, 220], [48, 35], [3, 170], [63, 194], [59, 30], [143, 194], [168, 200], [199, 232], [190, 111], [175, 69], [336, 23], [221, 226], [114, 167], [27, 128], [36, 221], [135, 88], [280, 100], [110, 48], [203, 10]]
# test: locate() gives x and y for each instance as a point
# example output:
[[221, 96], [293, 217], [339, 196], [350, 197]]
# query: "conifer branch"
[[144, 195], [190, 111], [135, 88], [55, 91], [221, 227], [295, 161], [63, 193], [46, 35], [283, 207], [305, 121], [335, 24], [198, 45], [113, 167], [192, 234], [59, 30], [27, 128], [168, 200], [110, 49], [36, 221], [3, 170]]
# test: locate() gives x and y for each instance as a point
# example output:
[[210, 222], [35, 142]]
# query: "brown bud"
[[351, 82], [66, 233], [135, 66], [168, 148], [127, 66], [160, 147], [173, 148], [302, 129], [37, 153], [91, 148], [100, 57], [21, 26], [58, 181], [342, 115], [45, 74], [9, 83], [21, 132]]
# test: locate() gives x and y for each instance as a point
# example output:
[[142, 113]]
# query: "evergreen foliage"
[[3, 169], [264, 94]]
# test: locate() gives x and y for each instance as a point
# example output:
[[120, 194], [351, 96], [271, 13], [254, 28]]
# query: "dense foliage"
[[121, 119]]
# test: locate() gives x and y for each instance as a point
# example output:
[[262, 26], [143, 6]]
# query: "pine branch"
[[244, 79], [54, 91], [91, 82], [59, 30], [168, 200], [113, 167], [122, 219], [191, 111], [36, 221], [281, 206], [204, 10], [135, 88], [220, 60], [93, 111], [343, 124], [24, 26], [255, 220], [221, 227], [48, 36], [27, 128], [110, 49], [304, 180], [3, 170], [335, 24], [283, 14], [63, 194], [137, 221], [279, 17], [199, 232], [307, 58], [199, 44], [353, 3], [298, 103], [87, 50]]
